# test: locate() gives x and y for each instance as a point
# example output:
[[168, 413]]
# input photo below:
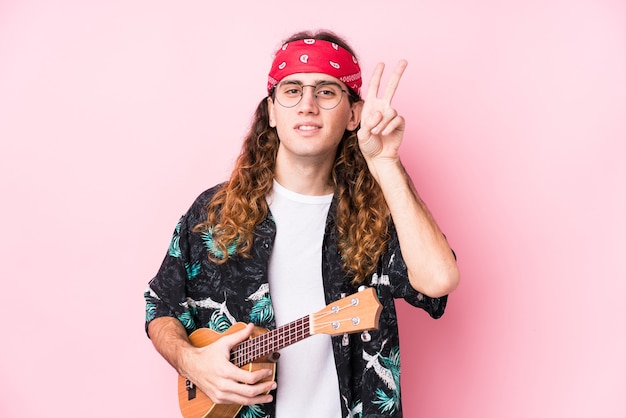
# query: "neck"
[[305, 177]]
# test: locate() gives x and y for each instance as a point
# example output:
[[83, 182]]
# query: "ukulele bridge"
[[191, 390]]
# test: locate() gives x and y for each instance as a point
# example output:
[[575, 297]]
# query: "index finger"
[[394, 80]]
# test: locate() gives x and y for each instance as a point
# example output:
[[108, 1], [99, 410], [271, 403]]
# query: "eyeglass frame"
[[352, 97]]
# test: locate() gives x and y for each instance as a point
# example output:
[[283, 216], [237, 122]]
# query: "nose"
[[308, 103]]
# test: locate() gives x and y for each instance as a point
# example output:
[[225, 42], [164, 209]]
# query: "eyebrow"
[[315, 83]]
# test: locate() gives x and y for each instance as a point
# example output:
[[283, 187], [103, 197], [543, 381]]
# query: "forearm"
[[430, 262], [170, 339], [209, 367]]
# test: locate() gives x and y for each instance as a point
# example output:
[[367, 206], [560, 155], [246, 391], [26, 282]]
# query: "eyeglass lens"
[[327, 94]]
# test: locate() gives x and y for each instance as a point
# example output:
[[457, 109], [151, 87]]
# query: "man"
[[318, 204]]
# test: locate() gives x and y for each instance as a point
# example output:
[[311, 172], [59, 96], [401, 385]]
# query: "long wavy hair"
[[240, 205]]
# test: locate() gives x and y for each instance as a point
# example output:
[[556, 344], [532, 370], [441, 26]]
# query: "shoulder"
[[198, 210], [204, 197]]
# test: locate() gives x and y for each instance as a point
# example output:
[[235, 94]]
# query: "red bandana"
[[315, 56]]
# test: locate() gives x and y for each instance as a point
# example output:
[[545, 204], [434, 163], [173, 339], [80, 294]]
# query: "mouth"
[[307, 127]]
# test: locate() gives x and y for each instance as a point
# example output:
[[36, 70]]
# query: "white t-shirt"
[[307, 377]]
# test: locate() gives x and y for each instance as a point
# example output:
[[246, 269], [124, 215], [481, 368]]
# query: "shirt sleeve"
[[394, 271], [166, 292]]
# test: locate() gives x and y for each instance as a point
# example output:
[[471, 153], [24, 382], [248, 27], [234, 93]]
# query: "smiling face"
[[306, 131]]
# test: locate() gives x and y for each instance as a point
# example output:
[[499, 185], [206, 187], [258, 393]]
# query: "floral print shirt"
[[203, 294]]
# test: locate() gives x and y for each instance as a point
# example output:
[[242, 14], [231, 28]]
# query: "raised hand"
[[382, 128]]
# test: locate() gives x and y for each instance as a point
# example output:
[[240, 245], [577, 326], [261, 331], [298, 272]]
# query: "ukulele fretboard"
[[270, 342]]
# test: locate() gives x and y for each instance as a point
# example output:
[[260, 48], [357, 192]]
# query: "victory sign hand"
[[382, 128]]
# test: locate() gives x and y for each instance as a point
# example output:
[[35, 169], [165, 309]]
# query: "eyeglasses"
[[327, 94]]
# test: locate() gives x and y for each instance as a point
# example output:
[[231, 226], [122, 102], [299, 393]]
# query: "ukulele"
[[357, 312]]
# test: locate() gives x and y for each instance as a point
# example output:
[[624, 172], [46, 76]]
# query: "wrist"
[[386, 170], [186, 359]]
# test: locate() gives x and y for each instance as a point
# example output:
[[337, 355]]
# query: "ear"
[[355, 116], [270, 112]]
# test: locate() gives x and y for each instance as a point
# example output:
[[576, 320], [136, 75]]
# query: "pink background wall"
[[115, 114]]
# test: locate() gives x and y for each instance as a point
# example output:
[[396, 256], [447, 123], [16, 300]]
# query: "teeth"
[[307, 127]]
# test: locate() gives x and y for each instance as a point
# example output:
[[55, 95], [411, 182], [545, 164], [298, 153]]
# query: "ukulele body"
[[195, 404]]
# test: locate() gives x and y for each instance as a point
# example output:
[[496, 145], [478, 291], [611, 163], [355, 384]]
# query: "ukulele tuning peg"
[[362, 288], [345, 340], [366, 337]]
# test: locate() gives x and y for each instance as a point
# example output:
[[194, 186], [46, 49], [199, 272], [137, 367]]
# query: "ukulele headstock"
[[357, 312]]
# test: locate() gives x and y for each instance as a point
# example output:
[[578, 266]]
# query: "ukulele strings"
[[333, 323], [271, 341]]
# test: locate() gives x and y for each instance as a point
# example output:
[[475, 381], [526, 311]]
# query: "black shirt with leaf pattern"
[[200, 293]]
